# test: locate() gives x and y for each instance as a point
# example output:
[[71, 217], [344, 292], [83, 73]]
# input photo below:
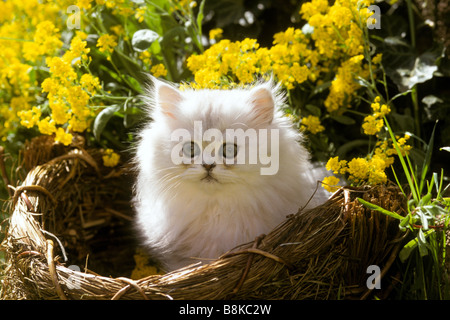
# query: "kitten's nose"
[[209, 167]]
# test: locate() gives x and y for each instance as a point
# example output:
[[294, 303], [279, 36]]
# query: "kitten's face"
[[214, 138]]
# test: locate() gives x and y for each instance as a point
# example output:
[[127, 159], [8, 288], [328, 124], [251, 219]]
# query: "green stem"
[[416, 110], [119, 74], [109, 97], [127, 58], [411, 23]]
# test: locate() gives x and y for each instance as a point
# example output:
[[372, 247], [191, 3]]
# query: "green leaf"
[[134, 83], [404, 222], [200, 15], [422, 243], [318, 89], [102, 119], [435, 211], [407, 170], [407, 249], [343, 119], [315, 110], [168, 39], [413, 244], [143, 39], [380, 209], [427, 161], [132, 115], [363, 82]]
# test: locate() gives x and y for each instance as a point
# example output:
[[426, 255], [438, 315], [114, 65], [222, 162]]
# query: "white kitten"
[[194, 196]]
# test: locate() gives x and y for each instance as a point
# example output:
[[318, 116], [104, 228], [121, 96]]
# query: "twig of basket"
[[52, 269], [3, 171]]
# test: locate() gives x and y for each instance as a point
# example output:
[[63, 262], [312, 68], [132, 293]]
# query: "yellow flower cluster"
[[68, 94], [330, 183], [30, 40], [359, 170], [333, 47], [106, 43], [45, 41], [374, 123], [215, 34], [338, 36], [312, 124], [158, 70], [344, 86], [110, 158], [28, 32], [226, 57], [371, 169], [243, 61]]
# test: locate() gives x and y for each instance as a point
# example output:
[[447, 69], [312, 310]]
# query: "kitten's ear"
[[167, 98], [262, 101]]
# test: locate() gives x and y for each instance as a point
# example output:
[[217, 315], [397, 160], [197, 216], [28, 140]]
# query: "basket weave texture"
[[72, 211]]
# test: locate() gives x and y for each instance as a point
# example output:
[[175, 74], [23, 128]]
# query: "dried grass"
[[70, 205]]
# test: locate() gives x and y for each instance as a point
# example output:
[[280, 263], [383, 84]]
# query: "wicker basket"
[[70, 237]]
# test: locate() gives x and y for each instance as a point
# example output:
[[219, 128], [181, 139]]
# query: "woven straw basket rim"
[[321, 253]]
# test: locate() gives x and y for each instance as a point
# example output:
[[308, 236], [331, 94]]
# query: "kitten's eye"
[[229, 151], [191, 149]]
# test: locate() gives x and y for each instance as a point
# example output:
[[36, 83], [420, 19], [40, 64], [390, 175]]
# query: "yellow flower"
[[333, 165], [300, 73], [61, 69], [312, 124], [110, 158], [77, 49], [107, 43], [215, 34], [358, 169], [158, 70], [46, 37], [84, 4], [377, 165], [377, 59], [118, 30], [63, 137], [372, 125], [379, 110], [340, 16], [78, 124], [314, 7], [50, 85], [29, 118], [330, 183], [401, 142], [78, 100], [90, 83], [145, 56], [60, 114], [140, 12], [46, 126]]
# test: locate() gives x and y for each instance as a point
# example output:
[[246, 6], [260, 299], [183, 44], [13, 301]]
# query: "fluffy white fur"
[[182, 218]]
